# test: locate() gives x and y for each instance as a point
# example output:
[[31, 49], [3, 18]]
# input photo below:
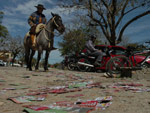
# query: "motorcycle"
[[86, 62], [70, 62]]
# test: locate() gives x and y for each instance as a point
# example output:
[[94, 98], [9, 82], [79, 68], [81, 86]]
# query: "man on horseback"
[[44, 37], [36, 18]]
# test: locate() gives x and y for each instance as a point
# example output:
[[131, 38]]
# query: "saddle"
[[39, 28], [35, 30]]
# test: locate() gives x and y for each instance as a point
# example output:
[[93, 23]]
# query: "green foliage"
[[1, 17], [73, 42], [56, 65], [3, 29], [137, 47], [132, 45]]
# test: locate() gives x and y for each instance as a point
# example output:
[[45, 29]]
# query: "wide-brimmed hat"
[[40, 6]]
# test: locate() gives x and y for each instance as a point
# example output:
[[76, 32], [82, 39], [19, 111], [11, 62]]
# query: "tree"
[[21, 56], [108, 15], [73, 42], [76, 35], [15, 46], [3, 29]]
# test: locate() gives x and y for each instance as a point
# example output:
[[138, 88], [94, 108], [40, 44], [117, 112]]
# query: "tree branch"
[[102, 16], [129, 22], [97, 21], [122, 13], [107, 7], [134, 8]]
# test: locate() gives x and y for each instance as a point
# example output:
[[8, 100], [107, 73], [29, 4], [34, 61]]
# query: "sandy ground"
[[123, 101]]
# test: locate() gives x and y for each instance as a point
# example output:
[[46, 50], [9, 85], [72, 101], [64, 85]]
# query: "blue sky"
[[18, 11]]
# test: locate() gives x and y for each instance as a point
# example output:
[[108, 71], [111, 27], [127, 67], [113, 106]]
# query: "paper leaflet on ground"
[[79, 106], [74, 87], [134, 87], [24, 99]]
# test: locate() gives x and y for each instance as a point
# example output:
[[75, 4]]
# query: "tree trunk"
[[129, 22], [113, 41]]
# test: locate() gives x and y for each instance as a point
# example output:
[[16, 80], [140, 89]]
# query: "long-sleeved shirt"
[[90, 46], [36, 18]]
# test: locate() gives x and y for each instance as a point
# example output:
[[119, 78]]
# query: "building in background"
[[6, 56]]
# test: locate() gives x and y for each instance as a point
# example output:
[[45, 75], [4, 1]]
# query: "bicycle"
[[128, 62]]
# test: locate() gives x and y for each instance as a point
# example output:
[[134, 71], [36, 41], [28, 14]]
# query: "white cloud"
[[28, 7], [17, 16], [10, 21], [15, 26], [25, 8]]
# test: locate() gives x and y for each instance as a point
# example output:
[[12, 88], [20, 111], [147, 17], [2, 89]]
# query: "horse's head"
[[58, 23]]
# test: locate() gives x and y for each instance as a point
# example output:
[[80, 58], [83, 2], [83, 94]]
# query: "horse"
[[43, 42]]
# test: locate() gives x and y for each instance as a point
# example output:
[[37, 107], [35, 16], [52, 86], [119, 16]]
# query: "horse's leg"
[[38, 60], [46, 60], [30, 61], [27, 54]]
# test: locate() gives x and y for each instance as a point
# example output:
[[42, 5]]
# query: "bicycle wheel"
[[114, 64]]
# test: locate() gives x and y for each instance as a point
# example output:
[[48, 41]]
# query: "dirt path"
[[124, 100]]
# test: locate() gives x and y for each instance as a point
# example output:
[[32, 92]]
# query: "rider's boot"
[[33, 41]]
